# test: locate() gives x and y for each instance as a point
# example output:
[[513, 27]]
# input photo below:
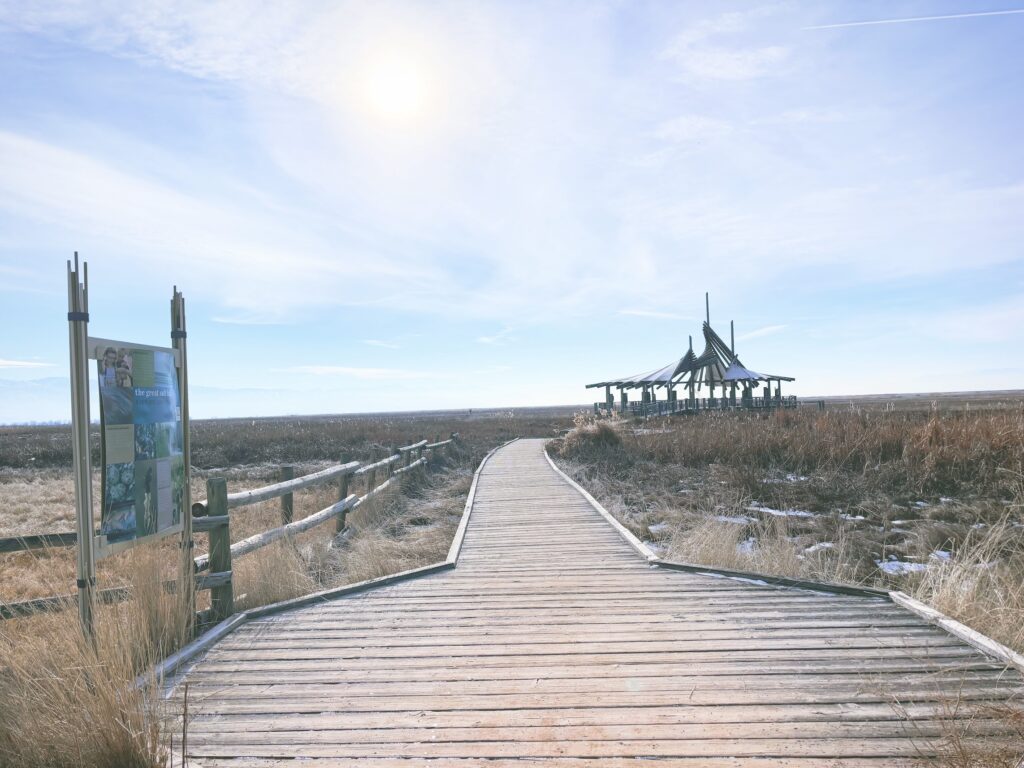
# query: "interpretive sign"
[[142, 445]]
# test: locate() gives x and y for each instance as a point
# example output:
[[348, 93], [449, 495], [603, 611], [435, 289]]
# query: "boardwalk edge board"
[[632, 540], [778, 581], [460, 534], [166, 673], [972, 637], [976, 639]]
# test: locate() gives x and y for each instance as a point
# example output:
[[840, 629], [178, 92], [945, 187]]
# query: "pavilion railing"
[[684, 405]]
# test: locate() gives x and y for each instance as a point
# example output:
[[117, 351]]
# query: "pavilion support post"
[[624, 400]]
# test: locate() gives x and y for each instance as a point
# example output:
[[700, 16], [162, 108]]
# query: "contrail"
[[916, 18]]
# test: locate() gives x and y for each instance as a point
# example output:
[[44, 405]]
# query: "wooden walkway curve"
[[554, 643]]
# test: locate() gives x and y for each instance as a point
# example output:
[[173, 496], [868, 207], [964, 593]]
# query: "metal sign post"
[[78, 326], [186, 587]]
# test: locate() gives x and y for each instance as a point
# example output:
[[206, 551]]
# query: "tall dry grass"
[[982, 584], [902, 452], [69, 702]]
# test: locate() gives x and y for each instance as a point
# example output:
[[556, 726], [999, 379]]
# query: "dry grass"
[[65, 703], [981, 584]]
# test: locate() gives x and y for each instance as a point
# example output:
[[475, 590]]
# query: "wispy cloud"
[[248, 319], [374, 374], [23, 364], [910, 19], [652, 313], [503, 336], [700, 53], [693, 128], [381, 343], [767, 330], [1001, 320]]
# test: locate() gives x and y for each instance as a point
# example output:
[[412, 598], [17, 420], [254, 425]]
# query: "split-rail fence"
[[213, 570]]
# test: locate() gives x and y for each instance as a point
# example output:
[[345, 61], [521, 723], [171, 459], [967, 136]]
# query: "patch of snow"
[[657, 528], [920, 504], [655, 546], [945, 500], [853, 517], [685, 490], [899, 567], [789, 478], [941, 555], [976, 526], [738, 519], [818, 547], [746, 547], [780, 512]]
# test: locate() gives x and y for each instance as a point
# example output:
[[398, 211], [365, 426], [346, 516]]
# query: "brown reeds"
[[71, 702]]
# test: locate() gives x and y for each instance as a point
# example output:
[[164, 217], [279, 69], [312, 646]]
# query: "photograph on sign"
[[142, 442]]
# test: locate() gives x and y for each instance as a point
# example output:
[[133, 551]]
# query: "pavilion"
[[718, 370]]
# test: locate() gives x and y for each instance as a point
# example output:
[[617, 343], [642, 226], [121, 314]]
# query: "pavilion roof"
[[716, 365]]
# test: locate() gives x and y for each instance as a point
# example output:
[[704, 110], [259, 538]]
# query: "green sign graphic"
[[143, 459]]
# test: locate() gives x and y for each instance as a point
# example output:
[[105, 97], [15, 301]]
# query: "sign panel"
[[142, 442]]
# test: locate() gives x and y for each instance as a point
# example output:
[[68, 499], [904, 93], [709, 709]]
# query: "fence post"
[[371, 476], [287, 501], [339, 521], [222, 597]]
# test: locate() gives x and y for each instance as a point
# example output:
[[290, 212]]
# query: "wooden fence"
[[211, 516]]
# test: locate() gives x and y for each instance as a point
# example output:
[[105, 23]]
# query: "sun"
[[396, 87]]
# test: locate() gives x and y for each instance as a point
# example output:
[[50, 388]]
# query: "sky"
[[399, 206]]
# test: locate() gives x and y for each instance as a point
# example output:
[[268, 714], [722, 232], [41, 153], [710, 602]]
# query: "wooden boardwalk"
[[554, 643]]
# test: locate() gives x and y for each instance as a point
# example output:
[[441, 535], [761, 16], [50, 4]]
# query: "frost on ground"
[[755, 507]]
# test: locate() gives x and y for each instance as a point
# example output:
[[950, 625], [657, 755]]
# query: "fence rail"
[[211, 516]]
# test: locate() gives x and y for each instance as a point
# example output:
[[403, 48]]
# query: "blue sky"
[[393, 206]]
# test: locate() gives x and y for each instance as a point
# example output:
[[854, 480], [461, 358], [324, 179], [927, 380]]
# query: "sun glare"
[[396, 87]]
